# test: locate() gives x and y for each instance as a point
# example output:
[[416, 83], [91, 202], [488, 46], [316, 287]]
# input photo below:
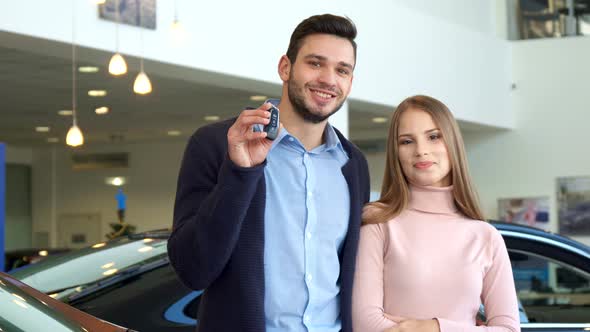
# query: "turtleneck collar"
[[432, 199]]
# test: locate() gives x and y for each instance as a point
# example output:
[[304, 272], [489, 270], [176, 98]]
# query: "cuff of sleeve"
[[230, 172], [237, 168]]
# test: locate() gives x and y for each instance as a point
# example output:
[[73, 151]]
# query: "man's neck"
[[311, 135]]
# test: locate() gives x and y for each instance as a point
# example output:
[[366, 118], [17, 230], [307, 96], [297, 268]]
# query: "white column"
[[340, 119]]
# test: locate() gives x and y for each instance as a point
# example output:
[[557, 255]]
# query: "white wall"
[[474, 15], [406, 47], [551, 139], [151, 188]]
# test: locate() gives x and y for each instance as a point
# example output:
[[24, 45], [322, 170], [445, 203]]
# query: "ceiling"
[[36, 82]]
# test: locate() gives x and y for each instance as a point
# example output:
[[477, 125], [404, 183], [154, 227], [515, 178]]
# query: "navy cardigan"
[[217, 242]]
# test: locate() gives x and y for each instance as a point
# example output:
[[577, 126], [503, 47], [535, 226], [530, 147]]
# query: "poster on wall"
[[573, 205], [530, 211], [131, 12]]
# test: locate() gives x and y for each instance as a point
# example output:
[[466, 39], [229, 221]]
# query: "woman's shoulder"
[[377, 214], [485, 231]]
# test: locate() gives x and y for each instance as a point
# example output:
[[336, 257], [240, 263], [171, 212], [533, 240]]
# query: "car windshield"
[[86, 266], [21, 312]]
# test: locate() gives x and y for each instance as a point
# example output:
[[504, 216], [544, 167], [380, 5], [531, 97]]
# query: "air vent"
[[89, 161]]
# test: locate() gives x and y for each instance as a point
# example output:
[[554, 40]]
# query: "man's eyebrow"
[[323, 58], [316, 56]]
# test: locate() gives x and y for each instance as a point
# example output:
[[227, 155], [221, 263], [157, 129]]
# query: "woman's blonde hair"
[[395, 193]]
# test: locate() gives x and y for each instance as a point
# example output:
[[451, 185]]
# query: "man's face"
[[320, 79]]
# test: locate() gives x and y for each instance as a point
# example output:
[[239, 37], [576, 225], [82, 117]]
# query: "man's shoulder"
[[214, 130], [352, 150]]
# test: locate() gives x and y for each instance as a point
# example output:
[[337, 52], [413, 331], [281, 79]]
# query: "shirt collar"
[[331, 138]]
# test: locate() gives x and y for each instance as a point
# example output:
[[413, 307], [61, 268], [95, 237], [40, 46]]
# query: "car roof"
[[523, 229]]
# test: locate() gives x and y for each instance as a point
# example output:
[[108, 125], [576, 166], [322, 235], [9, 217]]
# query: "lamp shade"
[[117, 65], [142, 84], [74, 137]]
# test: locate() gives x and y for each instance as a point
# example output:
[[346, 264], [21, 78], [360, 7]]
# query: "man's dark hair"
[[327, 24]]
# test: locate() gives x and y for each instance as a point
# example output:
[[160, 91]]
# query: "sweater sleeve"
[[367, 295], [498, 295], [212, 198]]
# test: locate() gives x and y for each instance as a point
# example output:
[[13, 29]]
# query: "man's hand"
[[413, 325], [247, 148]]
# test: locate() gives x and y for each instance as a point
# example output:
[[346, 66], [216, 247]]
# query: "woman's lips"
[[423, 164]]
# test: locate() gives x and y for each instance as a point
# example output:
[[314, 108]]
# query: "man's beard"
[[295, 94]]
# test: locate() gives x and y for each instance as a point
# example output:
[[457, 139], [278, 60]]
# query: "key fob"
[[272, 128]]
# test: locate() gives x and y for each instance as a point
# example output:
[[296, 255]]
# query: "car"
[[62, 274], [552, 277], [20, 257], [25, 309]]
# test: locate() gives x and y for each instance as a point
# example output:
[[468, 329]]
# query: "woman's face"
[[422, 150]]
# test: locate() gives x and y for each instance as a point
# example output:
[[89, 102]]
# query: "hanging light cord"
[[74, 106], [175, 10], [140, 38], [117, 25]]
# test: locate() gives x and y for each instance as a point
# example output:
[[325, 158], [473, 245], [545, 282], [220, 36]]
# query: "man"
[[270, 227]]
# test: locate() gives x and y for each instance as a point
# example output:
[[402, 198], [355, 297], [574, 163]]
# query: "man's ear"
[[284, 68]]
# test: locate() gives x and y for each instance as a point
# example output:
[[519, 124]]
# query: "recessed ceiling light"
[[258, 98], [88, 69], [100, 2], [116, 181], [53, 140], [65, 112], [41, 129], [101, 110], [174, 133], [97, 93], [379, 119], [212, 118]]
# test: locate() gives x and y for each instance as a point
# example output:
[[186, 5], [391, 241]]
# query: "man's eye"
[[343, 71], [314, 63]]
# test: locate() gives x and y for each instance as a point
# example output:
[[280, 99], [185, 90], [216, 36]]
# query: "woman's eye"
[[405, 142], [434, 137]]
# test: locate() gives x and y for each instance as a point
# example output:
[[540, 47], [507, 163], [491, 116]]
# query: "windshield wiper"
[[118, 278]]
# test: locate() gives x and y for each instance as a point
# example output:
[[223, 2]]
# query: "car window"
[[89, 264], [550, 292]]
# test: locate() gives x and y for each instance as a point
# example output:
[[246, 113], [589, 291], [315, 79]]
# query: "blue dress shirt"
[[306, 221]]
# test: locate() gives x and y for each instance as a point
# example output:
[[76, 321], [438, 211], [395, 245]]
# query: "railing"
[[549, 18]]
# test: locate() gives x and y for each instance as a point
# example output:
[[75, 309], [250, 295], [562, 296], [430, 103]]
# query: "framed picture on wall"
[[530, 211], [573, 205], [131, 12]]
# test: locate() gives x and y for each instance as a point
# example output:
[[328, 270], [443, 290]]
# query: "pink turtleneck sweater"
[[432, 262]]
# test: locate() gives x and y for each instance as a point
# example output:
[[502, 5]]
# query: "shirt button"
[[309, 277], [291, 139], [308, 235], [306, 318], [309, 193]]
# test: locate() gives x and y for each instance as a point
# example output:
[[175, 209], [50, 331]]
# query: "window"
[[550, 292]]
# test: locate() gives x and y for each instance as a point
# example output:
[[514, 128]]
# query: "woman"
[[426, 259]]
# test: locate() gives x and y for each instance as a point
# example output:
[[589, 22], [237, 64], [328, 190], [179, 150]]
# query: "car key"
[[272, 128]]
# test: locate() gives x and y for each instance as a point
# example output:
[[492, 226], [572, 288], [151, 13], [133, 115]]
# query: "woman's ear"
[[284, 68]]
